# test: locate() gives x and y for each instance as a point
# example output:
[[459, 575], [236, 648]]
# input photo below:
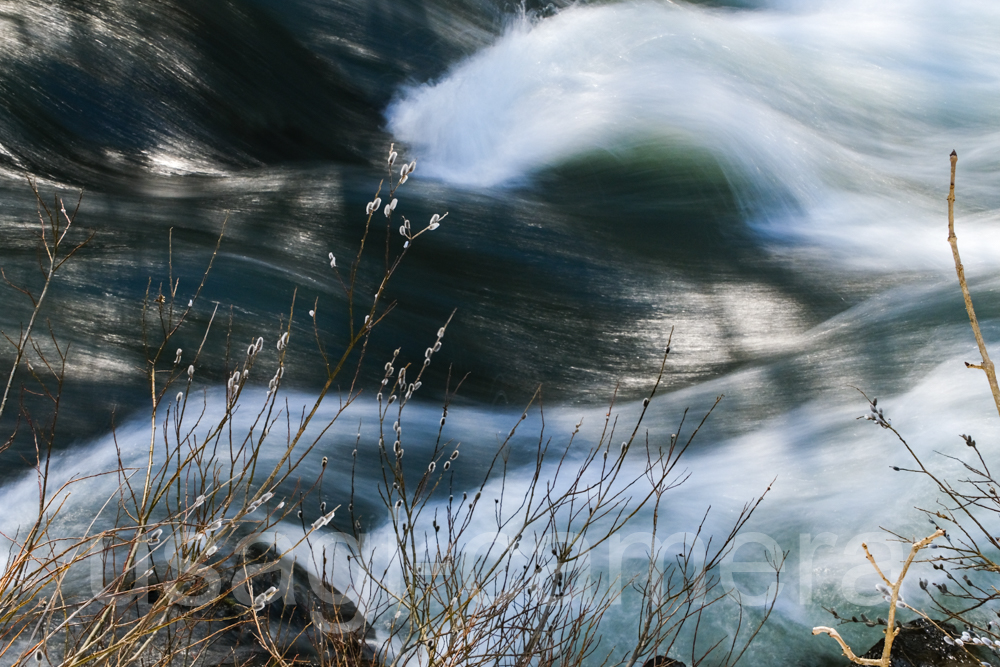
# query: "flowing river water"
[[766, 179]]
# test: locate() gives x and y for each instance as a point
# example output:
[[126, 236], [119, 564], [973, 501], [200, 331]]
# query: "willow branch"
[[890, 630]]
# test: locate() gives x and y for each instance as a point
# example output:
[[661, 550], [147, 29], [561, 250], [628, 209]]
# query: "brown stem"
[[890, 629], [987, 365]]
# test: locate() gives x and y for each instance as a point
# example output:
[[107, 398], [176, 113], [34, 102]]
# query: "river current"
[[765, 179]]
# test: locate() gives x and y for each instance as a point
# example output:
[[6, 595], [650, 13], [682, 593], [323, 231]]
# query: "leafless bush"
[[191, 567]]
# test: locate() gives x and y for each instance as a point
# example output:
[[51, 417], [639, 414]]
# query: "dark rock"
[[920, 644], [663, 661], [307, 618]]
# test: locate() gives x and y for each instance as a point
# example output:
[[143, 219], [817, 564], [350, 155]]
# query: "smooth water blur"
[[767, 180]]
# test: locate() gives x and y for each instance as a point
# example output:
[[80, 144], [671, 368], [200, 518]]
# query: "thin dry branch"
[[987, 365], [890, 629]]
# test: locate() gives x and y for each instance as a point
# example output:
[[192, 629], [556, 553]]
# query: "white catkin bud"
[[377, 204], [246, 374], [392, 398], [882, 588], [199, 501], [403, 170], [431, 467], [283, 341], [392, 204], [211, 550], [312, 313], [437, 346], [441, 332], [251, 350], [959, 642], [948, 640], [280, 505], [447, 464], [403, 180], [392, 158], [410, 167], [333, 261], [399, 503], [325, 461], [154, 536], [180, 395], [367, 317], [454, 454], [190, 371], [214, 526], [259, 345], [433, 226], [402, 230], [38, 654], [406, 245], [264, 498], [387, 210], [190, 303], [645, 402], [177, 359], [624, 447], [435, 218], [428, 352]]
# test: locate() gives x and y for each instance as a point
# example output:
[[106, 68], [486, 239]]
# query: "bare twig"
[[893, 598], [987, 365]]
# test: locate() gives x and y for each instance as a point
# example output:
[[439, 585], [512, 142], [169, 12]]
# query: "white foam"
[[833, 122]]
